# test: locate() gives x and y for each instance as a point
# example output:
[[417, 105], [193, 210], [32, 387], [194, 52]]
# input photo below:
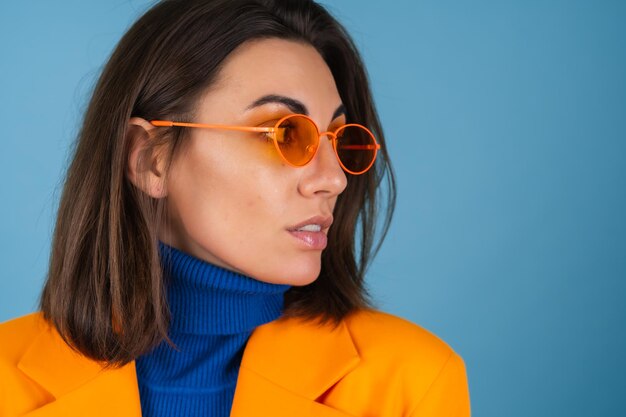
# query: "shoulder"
[[379, 327], [396, 366], [37, 367], [375, 331], [380, 339], [18, 334], [429, 373], [17, 337], [395, 343]]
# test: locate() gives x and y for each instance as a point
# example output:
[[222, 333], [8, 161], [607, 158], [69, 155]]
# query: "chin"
[[302, 281], [297, 275]]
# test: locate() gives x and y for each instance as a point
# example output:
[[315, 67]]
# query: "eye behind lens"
[[300, 139]]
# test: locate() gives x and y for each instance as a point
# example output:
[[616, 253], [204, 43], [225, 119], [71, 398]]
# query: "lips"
[[310, 225], [311, 233]]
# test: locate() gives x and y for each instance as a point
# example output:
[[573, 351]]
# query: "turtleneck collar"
[[207, 299], [213, 313]]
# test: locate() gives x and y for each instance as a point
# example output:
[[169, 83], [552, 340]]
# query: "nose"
[[323, 175]]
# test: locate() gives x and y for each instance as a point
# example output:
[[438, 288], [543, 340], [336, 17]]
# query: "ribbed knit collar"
[[213, 313], [206, 299]]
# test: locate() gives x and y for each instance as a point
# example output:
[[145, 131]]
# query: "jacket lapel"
[[79, 385], [289, 364]]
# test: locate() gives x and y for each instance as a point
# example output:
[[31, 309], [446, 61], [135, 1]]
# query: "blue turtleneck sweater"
[[213, 313]]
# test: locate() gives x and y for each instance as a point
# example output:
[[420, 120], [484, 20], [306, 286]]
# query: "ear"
[[146, 165]]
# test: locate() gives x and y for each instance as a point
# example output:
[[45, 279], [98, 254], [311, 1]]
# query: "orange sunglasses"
[[296, 138]]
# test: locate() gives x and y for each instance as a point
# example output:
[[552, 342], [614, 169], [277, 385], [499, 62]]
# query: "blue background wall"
[[506, 121]]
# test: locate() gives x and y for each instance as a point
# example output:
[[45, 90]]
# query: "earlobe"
[[145, 166]]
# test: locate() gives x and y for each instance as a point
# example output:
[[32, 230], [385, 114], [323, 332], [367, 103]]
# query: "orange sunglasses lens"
[[356, 148], [297, 139]]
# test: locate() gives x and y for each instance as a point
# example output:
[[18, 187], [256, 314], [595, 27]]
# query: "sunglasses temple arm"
[[359, 147], [167, 123]]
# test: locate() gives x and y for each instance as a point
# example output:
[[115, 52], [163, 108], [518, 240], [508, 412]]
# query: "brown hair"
[[104, 291]]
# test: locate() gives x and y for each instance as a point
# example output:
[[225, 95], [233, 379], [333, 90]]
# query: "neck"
[[213, 313], [207, 299]]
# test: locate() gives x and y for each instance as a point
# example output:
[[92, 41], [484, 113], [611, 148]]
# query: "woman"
[[203, 260]]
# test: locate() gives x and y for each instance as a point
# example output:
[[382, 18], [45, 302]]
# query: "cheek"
[[222, 195], [231, 199], [234, 212]]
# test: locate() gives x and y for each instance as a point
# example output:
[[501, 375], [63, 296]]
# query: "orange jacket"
[[373, 364]]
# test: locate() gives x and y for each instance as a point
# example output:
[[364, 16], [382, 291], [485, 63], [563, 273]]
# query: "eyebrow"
[[294, 105]]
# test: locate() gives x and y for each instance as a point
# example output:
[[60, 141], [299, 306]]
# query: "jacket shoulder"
[[378, 331], [429, 375], [18, 392], [18, 334], [38, 369]]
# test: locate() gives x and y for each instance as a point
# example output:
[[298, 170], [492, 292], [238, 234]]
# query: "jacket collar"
[[287, 365], [304, 357], [77, 383]]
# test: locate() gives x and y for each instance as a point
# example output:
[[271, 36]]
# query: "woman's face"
[[232, 201]]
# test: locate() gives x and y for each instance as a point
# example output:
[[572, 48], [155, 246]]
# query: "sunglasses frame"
[[332, 136]]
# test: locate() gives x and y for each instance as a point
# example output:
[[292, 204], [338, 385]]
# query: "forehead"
[[275, 66]]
